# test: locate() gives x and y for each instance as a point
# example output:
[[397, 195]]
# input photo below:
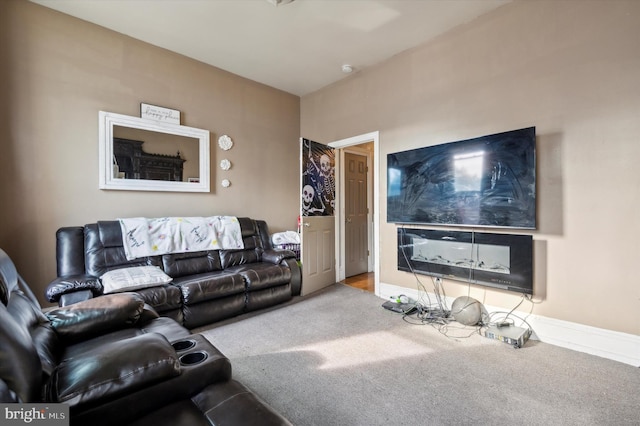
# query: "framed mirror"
[[140, 154]]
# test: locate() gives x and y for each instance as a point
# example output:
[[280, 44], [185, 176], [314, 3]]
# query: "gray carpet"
[[338, 358]]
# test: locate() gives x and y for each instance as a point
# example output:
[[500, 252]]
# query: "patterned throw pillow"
[[134, 278]]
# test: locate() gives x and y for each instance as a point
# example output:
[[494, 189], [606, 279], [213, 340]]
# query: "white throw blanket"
[[285, 237], [143, 237]]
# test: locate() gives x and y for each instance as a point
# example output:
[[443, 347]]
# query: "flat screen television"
[[489, 181], [500, 261]]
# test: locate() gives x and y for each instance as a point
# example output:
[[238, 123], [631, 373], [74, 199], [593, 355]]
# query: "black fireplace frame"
[[502, 261]]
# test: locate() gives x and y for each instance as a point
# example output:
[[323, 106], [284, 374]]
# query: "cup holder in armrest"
[[193, 358], [183, 345]]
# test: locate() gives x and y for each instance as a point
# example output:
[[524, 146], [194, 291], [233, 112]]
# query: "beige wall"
[[58, 72], [572, 69]]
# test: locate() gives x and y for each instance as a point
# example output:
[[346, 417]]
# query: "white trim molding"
[[614, 345], [344, 143]]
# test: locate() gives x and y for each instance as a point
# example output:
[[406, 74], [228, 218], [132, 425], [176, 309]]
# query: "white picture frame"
[[109, 177]]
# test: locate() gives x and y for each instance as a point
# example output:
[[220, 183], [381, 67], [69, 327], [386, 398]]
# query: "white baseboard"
[[621, 347]]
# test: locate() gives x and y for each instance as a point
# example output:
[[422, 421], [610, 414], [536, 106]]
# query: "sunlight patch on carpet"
[[363, 349]]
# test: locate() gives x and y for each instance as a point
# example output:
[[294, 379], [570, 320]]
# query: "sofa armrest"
[[97, 316], [112, 370], [233, 403], [276, 256], [75, 297], [288, 258], [193, 378], [296, 276], [70, 284], [225, 403]]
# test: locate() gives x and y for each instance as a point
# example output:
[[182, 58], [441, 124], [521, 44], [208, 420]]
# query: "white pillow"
[[134, 278]]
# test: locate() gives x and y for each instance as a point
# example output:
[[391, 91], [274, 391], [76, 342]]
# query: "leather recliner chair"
[[113, 360]]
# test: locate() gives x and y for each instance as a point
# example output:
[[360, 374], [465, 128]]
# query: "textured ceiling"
[[298, 47]]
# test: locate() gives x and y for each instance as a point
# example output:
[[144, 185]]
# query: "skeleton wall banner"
[[318, 179]]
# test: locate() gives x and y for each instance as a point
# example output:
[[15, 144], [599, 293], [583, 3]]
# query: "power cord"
[[427, 311], [438, 314], [505, 319]]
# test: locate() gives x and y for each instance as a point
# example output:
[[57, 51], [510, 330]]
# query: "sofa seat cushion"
[[259, 299], [210, 311], [208, 286], [114, 369], [262, 275]]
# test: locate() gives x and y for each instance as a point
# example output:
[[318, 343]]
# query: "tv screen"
[[486, 181]]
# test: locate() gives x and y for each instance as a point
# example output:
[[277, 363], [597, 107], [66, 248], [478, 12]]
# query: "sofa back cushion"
[[238, 257], [183, 264], [6, 394], [19, 362], [27, 319], [30, 318], [253, 246], [70, 251], [104, 251]]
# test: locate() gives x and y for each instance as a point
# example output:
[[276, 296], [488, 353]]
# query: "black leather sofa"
[[207, 286], [114, 360]]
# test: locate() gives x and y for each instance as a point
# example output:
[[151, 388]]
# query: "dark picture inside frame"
[[318, 179]]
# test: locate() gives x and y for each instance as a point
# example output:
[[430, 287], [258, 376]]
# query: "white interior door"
[[318, 254], [317, 186], [357, 212]]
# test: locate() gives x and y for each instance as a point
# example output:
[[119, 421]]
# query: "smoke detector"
[[347, 69], [279, 2]]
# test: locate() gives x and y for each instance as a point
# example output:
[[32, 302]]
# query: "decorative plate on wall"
[[225, 164], [226, 183], [225, 142]]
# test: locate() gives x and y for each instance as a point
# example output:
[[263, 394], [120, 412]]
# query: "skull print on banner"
[[318, 179]]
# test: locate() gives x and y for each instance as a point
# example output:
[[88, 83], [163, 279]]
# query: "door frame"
[[340, 217], [343, 201]]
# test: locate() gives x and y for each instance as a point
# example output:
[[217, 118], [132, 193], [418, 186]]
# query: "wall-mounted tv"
[[488, 181], [496, 260]]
